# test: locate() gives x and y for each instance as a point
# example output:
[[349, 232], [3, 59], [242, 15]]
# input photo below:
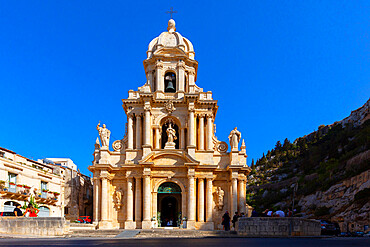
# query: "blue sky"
[[277, 68]]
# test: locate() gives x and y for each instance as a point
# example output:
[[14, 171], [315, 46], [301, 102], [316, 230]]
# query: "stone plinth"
[[170, 145], [40, 226], [277, 227]]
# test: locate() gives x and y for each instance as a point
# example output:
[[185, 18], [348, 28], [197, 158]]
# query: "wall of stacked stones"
[[277, 227], [39, 226]]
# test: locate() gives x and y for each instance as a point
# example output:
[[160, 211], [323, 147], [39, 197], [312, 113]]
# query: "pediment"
[[169, 158]]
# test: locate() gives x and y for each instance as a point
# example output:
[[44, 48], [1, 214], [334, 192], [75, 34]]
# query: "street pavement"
[[180, 242]]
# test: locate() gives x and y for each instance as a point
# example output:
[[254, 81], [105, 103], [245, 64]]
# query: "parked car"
[[84, 219], [329, 228], [358, 234], [4, 214]]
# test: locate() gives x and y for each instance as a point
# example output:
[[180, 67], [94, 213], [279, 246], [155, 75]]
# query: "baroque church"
[[169, 170]]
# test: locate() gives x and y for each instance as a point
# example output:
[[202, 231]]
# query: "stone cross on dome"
[[171, 12]]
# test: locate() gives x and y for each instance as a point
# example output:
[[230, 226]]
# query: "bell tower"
[[170, 66]]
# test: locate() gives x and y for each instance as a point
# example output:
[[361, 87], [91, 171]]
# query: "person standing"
[[226, 221], [235, 219], [17, 211], [32, 211]]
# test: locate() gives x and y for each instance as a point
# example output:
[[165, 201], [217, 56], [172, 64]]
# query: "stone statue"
[[234, 139], [118, 197], [171, 133], [220, 198], [104, 135], [171, 137]]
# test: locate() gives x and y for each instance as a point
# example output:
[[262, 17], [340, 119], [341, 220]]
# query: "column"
[[191, 199], [182, 138], [209, 141], [138, 132], [180, 76], [242, 196], [201, 133], [201, 199], [147, 126], [129, 200], [159, 79], [104, 199], [130, 133], [96, 199], [146, 198], [157, 135], [234, 202], [191, 129], [209, 202], [138, 199]]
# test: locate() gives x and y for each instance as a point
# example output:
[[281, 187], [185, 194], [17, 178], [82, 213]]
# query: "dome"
[[171, 39]]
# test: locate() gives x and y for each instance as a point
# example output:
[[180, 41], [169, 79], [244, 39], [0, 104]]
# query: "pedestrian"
[[264, 213], [235, 219], [226, 221], [254, 213], [31, 211], [17, 210], [280, 213], [269, 213], [290, 213]]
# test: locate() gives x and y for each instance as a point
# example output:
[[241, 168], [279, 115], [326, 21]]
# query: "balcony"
[[23, 192]]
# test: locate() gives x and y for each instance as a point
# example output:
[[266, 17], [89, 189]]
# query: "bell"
[[170, 87]]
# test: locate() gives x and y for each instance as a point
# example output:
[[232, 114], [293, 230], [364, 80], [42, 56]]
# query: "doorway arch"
[[169, 204]]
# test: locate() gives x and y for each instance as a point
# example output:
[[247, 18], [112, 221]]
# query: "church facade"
[[169, 169]]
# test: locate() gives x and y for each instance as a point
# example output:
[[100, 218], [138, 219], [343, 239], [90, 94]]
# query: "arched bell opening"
[[170, 82]]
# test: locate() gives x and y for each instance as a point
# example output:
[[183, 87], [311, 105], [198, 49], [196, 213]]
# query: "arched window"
[[44, 212], [170, 82], [9, 206]]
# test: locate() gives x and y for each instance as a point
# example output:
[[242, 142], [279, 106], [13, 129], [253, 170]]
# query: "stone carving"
[[234, 139], [219, 198], [118, 198], [171, 137], [104, 134], [221, 147], [117, 145], [169, 106]]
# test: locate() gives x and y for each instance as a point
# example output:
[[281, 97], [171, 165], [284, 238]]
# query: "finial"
[[97, 141], [243, 145], [171, 26]]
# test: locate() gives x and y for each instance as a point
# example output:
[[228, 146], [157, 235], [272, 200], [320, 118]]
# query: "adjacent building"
[[55, 184], [22, 178], [169, 169]]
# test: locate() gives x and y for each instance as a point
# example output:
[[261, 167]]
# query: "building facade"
[[22, 178], [78, 188], [169, 169]]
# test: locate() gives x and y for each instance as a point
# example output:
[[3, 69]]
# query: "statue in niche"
[[104, 134], [219, 198], [118, 198], [171, 137], [234, 139]]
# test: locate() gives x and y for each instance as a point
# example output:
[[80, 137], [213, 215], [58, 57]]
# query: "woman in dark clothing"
[[17, 211], [235, 219], [226, 221]]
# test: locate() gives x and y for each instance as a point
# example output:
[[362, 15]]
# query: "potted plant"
[[27, 187], [56, 193], [19, 185], [45, 190], [11, 183]]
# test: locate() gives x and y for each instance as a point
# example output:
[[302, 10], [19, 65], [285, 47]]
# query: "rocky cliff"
[[327, 172]]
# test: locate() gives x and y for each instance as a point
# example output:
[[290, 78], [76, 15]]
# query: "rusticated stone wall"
[[39, 226], [277, 227]]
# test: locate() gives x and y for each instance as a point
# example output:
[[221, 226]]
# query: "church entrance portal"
[[169, 205]]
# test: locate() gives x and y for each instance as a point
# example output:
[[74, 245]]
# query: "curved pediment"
[[169, 158]]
